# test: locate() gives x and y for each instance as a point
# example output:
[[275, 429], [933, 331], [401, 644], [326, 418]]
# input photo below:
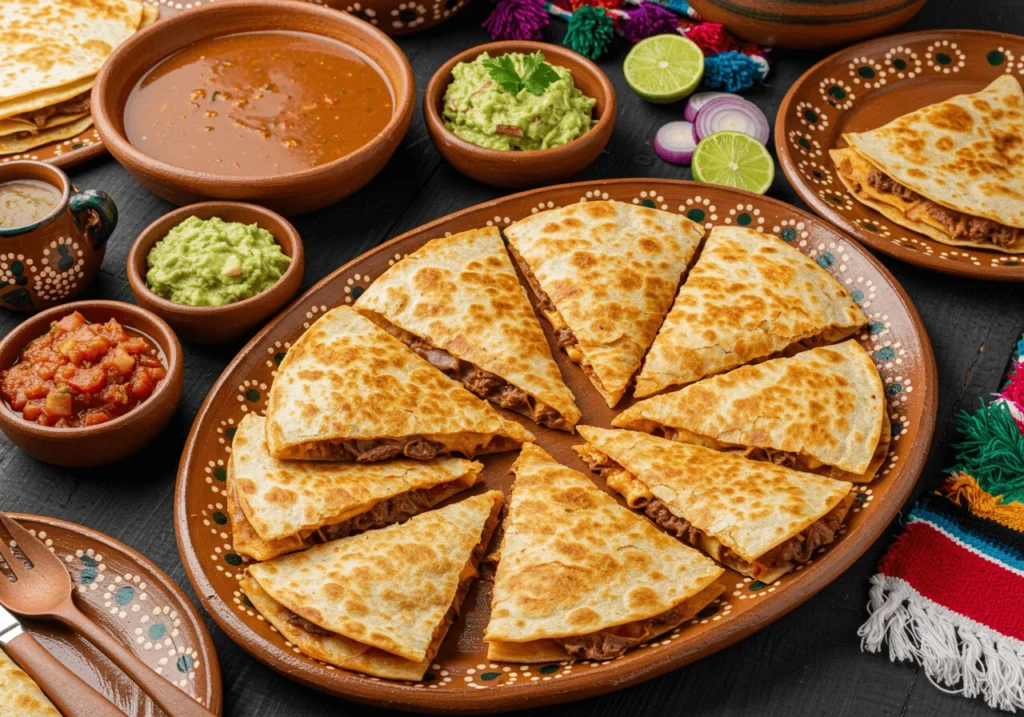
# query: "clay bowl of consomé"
[[524, 168], [290, 105]]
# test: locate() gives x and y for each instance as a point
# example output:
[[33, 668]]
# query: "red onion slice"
[[675, 142], [731, 113], [700, 99]]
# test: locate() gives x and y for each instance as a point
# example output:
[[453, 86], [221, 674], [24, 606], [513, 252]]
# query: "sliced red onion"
[[731, 113], [700, 99], [675, 142]]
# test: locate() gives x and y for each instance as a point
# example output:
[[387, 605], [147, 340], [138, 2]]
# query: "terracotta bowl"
[[107, 442], [214, 324], [807, 24], [291, 192], [399, 17], [524, 169]]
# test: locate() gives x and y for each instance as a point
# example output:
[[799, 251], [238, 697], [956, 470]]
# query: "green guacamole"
[[210, 262], [480, 111]]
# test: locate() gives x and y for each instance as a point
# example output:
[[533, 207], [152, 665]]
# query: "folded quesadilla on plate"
[[283, 506], [757, 518], [748, 297], [582, 577], [348, 390], [380, 602], [604, 274], [20, 696], [953, 171], [821, 411], [458, 303]]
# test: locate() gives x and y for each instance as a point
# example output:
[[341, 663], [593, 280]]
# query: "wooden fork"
[[44, 590]]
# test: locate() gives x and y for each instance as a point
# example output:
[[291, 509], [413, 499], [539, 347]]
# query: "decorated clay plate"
[[462, 678], [868, 85], [136, 603]]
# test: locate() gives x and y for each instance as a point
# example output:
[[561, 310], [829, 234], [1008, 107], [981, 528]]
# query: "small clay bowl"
[[517, 169], [106, 442], [289, 192], [215, 324]]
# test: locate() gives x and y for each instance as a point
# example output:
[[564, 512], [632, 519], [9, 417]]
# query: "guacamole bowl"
[[228, 322], [518, 168]]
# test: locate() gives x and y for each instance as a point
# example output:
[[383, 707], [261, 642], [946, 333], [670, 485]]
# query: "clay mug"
[[52, 260]]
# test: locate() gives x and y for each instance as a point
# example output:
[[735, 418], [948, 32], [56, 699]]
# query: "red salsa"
[[82, 374]]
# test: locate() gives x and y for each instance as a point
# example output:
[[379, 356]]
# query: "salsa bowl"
[[214, 324], [519, 169], [106, 442], [289, 191]]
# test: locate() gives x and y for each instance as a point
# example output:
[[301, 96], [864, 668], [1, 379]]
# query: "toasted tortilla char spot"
[[951, 117]]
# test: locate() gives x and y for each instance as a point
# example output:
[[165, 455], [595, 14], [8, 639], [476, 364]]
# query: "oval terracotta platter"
[[138, 604], [461, 678], [866, 86]]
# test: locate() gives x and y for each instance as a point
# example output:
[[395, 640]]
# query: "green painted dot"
[[834, 199], [232, 559], [885, 354], [756, 585], [875, 328], [810, 115], [696, 215], [870, 226], [648, 203], [899, 63], [247, 602], [220, 473], [894, 389], [219, 518], [1011, 263], [861, 497], [357, 291], [943, 59], [279, 357], [548, 669], [157, 631], [816, 173], [744, 219], [896, 428], [88, 575], [838, 92], [857, 295], [789, 234], [995, 57], [86, 560], [804, 142], [229, 433], [77, 145], [867, 72], [488, 676], [825, 260], [17, 268], [252, 395], [124, 595], [184, 663]]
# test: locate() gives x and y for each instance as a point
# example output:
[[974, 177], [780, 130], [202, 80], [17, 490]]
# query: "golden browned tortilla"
[[458, 302], [379, 602], [822, 411], [749, 296], [20, 696], [579, 573], [605, 273]]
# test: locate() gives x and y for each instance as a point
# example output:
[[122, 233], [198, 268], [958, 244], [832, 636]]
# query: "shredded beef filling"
[[75, 106], [565, 338], [394, 510], [381, 449], [305, 625], [961, 227], [610, 643]]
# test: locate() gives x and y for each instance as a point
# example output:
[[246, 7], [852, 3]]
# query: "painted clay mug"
[[52, 260]]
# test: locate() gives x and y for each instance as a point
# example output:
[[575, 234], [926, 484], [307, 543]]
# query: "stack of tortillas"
[[50, 52]]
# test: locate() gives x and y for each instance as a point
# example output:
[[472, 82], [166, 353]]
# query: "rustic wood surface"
[[808, 663]]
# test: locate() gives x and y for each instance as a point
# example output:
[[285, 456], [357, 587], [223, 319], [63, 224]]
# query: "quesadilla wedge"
[[582, 577], [20, 696], [748, 297], [759, 519], [348, 390], [458, 303], [285, 506], [604, 274], [953, 171], [380, 602], [821, 411]]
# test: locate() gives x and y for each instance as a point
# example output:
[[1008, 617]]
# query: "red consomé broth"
[[82, 374]]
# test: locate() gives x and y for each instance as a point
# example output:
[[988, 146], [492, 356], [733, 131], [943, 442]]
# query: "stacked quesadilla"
[[821, 411], [380, 602], [757, 518], [582, 577], [604, 274], [348, 390], [458, 303], [20, 696], [749, 296], [953, 171], [50, 52], [278, 507]]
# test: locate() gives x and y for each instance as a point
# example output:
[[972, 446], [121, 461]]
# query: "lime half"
[[664, 68], [734, 159]]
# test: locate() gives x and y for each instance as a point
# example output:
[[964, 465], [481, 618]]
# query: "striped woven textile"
[[949, 593]]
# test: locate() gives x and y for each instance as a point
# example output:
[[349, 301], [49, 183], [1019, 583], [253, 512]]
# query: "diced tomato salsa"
[[82, 374]]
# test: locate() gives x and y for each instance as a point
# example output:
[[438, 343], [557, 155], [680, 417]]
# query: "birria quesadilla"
[[348, 390], [821, 411], [458, 303], [278, 507], [748, 297], [20, 696], [759, 519], [604, 274], [380, 602], [582, 577], [953, 171]]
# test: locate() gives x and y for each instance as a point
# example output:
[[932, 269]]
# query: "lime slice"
[[664, 68], [734, 159]]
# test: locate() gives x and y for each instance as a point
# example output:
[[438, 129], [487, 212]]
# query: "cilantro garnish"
[[536, 77]]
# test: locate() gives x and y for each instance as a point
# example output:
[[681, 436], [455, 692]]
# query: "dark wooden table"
[[808, 663]]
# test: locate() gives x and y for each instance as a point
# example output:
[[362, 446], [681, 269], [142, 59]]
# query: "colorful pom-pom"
[[712, 38], [590, 32], [733, 71], [517, 20], [648, 20]]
